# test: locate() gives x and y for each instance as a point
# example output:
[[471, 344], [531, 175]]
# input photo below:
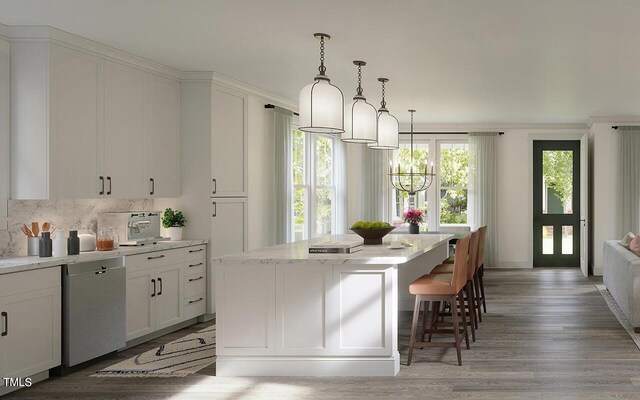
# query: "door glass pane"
[[547, 239], [567, 239], [324, 199], [299, 215], [557, 181]]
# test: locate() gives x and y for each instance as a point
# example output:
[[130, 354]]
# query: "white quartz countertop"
[[298, 252], [26, 263]]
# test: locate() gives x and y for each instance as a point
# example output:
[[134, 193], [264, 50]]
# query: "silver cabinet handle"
[[196, 279], [195, 265], [153, 186], [155, 257], [5, 316], [195, 301]]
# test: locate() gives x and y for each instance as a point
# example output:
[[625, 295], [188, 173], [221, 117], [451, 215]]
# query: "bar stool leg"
[[456, 331], [476, 303], [435, 310], [463, 313], [472, 310], [414, 328], [481, 279], [425, 319]]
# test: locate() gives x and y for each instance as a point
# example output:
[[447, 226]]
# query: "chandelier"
[[411, 181]]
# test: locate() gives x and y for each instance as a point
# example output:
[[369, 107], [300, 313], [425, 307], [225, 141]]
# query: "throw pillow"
[[634, 246], [626, 240]]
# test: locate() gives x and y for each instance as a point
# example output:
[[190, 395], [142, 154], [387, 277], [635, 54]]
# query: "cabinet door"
[[229, 143], [229, 226], [163, 137], [123, 131], [32, 343], [141, 303], [73, 133], [170, 298]]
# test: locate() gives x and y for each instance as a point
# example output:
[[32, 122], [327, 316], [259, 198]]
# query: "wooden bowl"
[[373, 236]]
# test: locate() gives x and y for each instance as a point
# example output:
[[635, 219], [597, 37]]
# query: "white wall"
[[5, 147], [262, 195]]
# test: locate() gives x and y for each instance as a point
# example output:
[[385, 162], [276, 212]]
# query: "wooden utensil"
[[45, 227], [35, 229], [26, 230]]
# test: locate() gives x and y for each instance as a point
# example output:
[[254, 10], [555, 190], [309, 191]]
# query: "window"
[[453, 191], [445, 202], [314, 190]]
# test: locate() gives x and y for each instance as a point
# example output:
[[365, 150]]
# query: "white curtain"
[[483, 207], [341, 186], [375, 185], [630, 174], [283, 174]]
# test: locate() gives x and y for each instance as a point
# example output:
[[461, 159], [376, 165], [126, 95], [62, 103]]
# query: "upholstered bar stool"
[[468, 287], [440, 288]]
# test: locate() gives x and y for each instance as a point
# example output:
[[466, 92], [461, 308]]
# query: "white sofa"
[[622, 279]]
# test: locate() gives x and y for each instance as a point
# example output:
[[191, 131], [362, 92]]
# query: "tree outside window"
[[454, 173]]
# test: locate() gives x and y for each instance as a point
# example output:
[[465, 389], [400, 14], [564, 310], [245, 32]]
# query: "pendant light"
[[321, 103], [411, 181], [362, 118], [388, 126]]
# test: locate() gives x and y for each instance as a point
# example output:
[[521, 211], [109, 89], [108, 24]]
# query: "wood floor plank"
[[548, 334]]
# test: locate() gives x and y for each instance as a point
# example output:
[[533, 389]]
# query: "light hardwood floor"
[[548, 335]]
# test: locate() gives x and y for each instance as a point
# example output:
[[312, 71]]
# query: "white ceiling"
[[454, 61]]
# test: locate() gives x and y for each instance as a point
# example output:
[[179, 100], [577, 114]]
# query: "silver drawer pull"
[[195, 265], [196, 279], [195, 301], [195, 251], [156, 257]]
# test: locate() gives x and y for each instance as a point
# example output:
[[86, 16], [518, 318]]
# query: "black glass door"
[[556, 203]]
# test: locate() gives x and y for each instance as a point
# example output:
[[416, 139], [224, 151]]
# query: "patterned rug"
[[615, 309], [179, 358]]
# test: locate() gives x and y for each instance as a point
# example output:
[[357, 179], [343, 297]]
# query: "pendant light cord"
[[383, 103], [322, 68], [359, 90]]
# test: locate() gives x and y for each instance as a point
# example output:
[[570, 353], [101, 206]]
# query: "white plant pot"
[[175, 233]]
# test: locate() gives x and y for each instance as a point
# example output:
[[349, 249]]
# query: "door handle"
[[102, 185], [5, 316], [153, 186], [154, 288], [155, 257], [160, 282], [196, 279], [215, 185], [215, 209], [109, 179]]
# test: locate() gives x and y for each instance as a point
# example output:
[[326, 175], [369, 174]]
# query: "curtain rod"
[[441, 133], [272, 106]]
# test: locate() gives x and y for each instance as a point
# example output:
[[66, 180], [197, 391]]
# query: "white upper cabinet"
[[123, 131], [86, 127], [162, 175], [229, 143]]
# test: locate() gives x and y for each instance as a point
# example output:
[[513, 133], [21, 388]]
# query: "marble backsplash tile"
[[64, 214]]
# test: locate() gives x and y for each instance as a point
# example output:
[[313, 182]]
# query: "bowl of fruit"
[[372, 231]]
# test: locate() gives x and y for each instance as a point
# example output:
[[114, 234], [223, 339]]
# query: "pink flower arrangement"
[[413, 216]]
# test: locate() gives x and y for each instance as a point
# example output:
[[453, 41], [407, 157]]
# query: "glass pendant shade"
[[362, 123], [321, 108], [388, 132]]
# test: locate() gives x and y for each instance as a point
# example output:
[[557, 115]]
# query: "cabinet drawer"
[[195, 285], [154, 259], [195, 267], [195, 306], [195, 253], [29, 281]]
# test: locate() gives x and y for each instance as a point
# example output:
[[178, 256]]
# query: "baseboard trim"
[[308, 366]]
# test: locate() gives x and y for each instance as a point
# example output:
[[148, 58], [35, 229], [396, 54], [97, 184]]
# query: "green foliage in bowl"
[[370, 225]]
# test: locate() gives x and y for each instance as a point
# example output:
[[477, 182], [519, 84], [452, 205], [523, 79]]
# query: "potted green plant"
[[173, 222]]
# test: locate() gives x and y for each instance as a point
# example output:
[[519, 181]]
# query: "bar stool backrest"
[[481, 244], [474, 243], [460, 263]]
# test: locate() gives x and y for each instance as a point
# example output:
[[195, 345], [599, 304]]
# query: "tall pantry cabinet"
[[87, 126]]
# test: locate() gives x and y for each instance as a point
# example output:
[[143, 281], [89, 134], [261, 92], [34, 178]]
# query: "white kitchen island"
[[281, 311]]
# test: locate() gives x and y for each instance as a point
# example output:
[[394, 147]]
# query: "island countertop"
[[298, 252]]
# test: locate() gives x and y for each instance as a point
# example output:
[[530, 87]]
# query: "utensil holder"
[[33, 246]]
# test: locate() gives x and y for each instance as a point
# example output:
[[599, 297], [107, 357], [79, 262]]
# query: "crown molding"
[[488, 127], [250, 89], [197, 76], [620, 120]]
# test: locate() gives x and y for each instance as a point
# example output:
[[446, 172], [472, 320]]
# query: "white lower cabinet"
[[30, 331], [158, 289]]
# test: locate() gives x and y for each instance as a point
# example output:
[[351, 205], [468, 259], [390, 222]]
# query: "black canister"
[[73, 243], [46, 246]]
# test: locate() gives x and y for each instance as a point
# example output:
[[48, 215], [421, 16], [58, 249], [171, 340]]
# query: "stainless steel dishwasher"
[[94, 313]]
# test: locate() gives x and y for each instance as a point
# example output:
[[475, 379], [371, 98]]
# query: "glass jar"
[[105, 240], [116, 238]]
